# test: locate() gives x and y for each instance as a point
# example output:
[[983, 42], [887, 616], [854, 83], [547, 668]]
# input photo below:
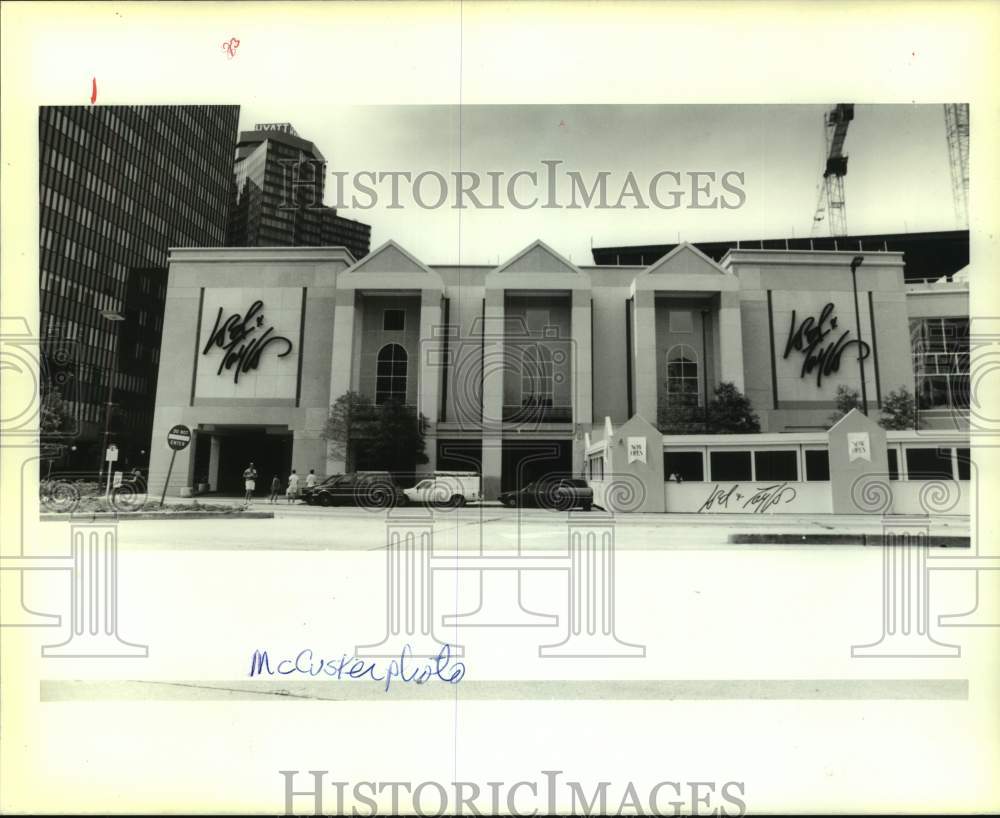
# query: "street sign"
[[117, 481], [179, 437], [111, 455]]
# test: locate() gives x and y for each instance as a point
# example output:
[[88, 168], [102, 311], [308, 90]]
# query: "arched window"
[[537, 376], [390, 374], [682, 376]]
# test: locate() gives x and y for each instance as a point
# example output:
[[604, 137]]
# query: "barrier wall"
[[767, 497], [861, 469]]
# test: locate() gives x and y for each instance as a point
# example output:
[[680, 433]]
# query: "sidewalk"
[[754, 527]]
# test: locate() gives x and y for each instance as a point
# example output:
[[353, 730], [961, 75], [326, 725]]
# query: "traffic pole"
[[170, 468]]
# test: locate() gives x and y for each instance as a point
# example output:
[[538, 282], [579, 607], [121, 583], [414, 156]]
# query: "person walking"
[[292, 492], [275, 489], [249, 483], [311, 479]]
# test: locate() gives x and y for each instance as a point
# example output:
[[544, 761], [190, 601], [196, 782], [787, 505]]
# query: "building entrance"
[[269, 450], [524, 462]]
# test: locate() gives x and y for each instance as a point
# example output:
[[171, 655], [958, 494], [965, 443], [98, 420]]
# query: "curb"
[[933, 540], [160, 515]]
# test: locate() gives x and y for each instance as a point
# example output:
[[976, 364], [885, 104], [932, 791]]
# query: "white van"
[[446, 488]]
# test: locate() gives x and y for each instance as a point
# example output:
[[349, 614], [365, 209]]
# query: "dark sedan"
[[369, 490], [554, 494]]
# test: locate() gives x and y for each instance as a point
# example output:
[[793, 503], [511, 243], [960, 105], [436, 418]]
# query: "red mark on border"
[[230, 47], [93, 90]]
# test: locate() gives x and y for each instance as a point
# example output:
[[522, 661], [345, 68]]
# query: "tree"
[[388, 437], [55, 421], [730, 412], [351, 418], [679, 419], [400, 444], [54, 415], [847, 398], [899, 410]]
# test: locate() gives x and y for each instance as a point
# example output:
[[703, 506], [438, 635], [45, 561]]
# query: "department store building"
[[521, 367]]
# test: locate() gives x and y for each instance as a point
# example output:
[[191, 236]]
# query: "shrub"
[[899, 410], [729, 412], [847, 398]]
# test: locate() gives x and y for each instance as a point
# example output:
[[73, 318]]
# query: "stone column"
[[494, 370], [582, 367], [213, 462], [342, 356], [730, 339], [431, 372], [644, 354], [581, 371]]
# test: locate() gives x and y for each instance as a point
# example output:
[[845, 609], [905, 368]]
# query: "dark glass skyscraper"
[[279, 180], [118, 186]]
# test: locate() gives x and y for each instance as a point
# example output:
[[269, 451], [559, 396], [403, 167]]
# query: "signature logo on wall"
[[809, 338], [756, 500], [243, 339]]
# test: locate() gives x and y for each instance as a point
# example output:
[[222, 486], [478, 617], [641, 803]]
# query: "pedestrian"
[[292, 492], [275, 488], [249, 482], [311, 479]]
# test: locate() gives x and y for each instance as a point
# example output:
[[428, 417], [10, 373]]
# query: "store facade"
[[517, 367]]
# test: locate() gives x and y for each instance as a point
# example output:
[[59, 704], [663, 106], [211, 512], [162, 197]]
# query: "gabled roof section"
[[391, 258], [685, 259], [390, 267], [685, 268], [538, 257]]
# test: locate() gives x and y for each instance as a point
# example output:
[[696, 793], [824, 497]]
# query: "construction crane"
[[830, 206], [956, 125]]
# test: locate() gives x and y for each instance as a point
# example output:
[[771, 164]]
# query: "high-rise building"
[[118, 186], [279, 195]]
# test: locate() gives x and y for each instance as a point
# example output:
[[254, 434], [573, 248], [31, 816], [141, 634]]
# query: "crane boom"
[[831, 205], [956, 123]]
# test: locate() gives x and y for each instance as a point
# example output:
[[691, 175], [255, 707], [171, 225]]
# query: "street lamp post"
[[855, 263], [115, 317]]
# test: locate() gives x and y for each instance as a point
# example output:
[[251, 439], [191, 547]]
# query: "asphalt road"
[[488, 527]]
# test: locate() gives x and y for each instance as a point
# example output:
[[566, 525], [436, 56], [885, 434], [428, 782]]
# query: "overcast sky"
[[898, 176]]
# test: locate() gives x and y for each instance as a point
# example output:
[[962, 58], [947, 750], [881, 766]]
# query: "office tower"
[[279, 195], [118, 186]]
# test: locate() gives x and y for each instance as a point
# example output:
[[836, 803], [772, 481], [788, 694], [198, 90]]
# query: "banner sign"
[[859, 446], [636, 449]]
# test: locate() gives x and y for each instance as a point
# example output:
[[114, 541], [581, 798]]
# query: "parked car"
[[553, 493], [366, 489], [446, 488]]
